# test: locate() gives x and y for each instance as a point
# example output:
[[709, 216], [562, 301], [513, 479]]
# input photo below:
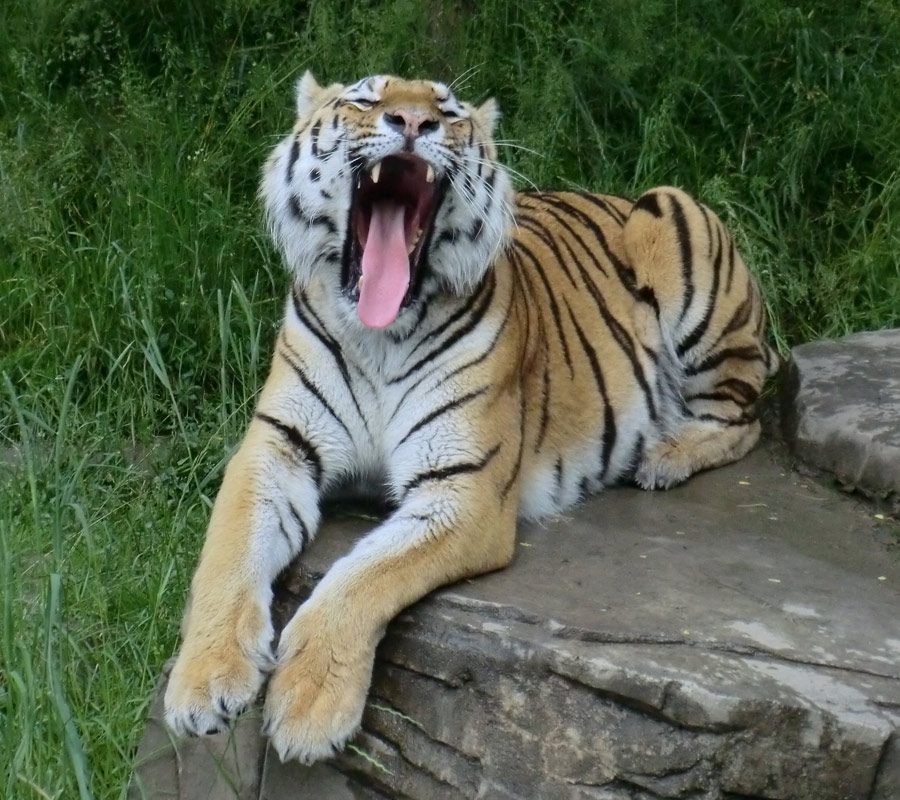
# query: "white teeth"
[[376, 172], [359, 285], [415, 241], [429, 174]]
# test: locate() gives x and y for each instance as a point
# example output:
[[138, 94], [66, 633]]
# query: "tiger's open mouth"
[[391, 222]]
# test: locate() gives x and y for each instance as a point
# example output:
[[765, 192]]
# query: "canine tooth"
[[429, 174], [376, 172], [415, 241], [359, 285]]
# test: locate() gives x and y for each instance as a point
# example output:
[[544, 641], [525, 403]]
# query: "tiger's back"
[[646, 330], [478, 355]]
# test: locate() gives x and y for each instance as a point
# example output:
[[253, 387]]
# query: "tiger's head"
[[387, 190]]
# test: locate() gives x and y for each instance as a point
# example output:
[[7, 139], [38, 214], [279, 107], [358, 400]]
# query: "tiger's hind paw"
[[695, 446], [662, 470], [663, 467]]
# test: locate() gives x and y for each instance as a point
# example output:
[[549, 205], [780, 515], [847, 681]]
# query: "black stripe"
[[449, 406], [646, 295], [589, 251], [732, 390], [619, 333], [545, 407], [683, 235], [468, 186], [540, 230], [744, 419], [304, 530], [750, 353], [622, 337], [420, 318], [650, 353], [623, 271], [744, 392], [465, 330], [301, 216], [693, 338], [468, 365], [310, 387], [325, 221], [301, 306], [456, 315], [635, 459], [709, 234], [448, 235], [752, 291], [283, 530], [527, 292], [515, 472], [292, 158], [448, 472], [299, 441], [650, 204], [732, 260], [604, 205], [609, 422], [554, 306], [739, 319], [298, 297]]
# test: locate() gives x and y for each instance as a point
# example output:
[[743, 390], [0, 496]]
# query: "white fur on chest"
[[394, 385]]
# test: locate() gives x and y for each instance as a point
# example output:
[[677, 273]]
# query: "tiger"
[[477, 355]]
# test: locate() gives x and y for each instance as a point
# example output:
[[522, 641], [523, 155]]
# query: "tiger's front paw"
[[315, 699], [218, 673]]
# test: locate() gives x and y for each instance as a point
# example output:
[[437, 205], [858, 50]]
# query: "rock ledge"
[[733, 638]]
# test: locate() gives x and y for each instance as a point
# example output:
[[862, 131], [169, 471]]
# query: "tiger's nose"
[[412, 124]]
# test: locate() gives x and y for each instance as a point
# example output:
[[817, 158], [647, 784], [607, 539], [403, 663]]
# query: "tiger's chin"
[[394, 204]]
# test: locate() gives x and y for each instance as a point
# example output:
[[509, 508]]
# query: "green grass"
[[139, 295]]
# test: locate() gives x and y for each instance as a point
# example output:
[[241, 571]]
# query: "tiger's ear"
[[309, 94], [488, 115]]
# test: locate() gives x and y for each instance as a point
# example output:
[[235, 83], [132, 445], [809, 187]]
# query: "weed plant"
[[139, 294]]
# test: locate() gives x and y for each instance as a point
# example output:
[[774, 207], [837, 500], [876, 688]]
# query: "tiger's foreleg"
[[712, 324], [451, 523], [264, 515]]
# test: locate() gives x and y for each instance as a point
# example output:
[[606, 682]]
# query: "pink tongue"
[[385, 266]]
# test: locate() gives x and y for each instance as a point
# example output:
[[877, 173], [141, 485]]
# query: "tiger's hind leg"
[[712, 321]]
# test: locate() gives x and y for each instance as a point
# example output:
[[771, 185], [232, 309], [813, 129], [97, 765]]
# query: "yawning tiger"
[[481, 355]]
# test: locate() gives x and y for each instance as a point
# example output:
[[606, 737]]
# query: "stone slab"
[[736, 637], [842, 409]]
